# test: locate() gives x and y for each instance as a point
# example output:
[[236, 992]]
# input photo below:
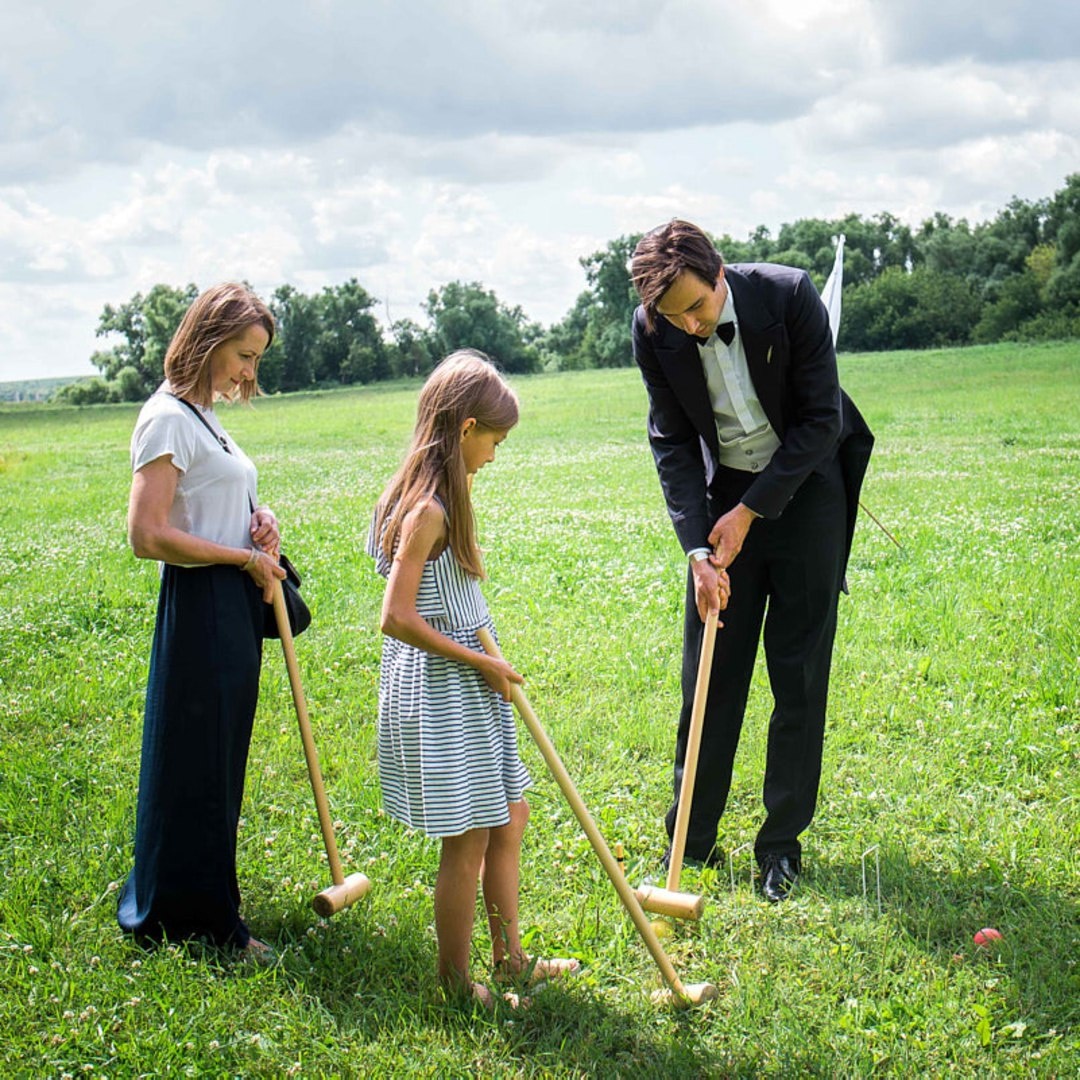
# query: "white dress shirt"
[[747, 439]]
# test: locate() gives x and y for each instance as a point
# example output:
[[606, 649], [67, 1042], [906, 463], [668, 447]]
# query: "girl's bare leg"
[[501, 877], [455, 905]]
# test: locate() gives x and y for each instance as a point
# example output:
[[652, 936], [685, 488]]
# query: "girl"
[[448, 759]]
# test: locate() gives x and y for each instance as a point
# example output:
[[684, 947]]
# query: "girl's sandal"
[[536, 970], [483, 996]]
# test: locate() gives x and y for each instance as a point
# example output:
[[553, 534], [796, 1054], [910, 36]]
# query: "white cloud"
[[413, 145], [1001, 31], [39, 244], [1031, 162], [921, 107]]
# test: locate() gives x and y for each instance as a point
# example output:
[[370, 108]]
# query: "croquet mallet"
[[677, 993], [345, 890], [669, 901]]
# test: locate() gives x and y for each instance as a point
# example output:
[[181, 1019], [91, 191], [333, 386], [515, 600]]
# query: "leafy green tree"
[[470, 316], [1004, 243], [128, 385], [606, 340], [1040, 261], [759, 247], [349, 347], [596, 331], [1063, 226], [561, 346], [297, 322], [1063, 288], [364, 363], [946, 246], [808, 244], [909, 310], [147, 324], [93, 391], [872, 245], [271, 366], [412, 353], [1017, 303], [608, 275]]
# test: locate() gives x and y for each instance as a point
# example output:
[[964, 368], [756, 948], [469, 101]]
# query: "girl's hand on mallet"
[[498, 674]]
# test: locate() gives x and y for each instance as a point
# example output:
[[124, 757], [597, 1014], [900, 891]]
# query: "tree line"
[[1014, 278]]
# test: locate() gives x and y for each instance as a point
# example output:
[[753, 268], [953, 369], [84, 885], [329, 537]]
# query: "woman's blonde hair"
[[465, 385], [217, 315]]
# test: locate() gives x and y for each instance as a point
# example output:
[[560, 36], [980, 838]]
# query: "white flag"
[[830, 294]]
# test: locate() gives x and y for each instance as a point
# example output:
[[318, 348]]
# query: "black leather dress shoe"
[[778, 876]]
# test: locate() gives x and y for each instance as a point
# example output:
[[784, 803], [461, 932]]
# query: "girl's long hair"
[[217, 315], [466, 384]]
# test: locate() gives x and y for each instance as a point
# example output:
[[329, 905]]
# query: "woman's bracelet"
[[253, 558]]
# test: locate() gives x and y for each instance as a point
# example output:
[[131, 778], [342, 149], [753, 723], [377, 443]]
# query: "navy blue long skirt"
[[200, 707]]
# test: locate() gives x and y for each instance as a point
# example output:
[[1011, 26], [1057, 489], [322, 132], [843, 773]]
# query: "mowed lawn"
[[950, 802]]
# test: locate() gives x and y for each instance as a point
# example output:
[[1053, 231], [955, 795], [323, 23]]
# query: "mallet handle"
[[607, 860], [690, 761], [321, 804]]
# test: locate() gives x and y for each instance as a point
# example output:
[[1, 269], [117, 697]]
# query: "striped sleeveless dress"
[[447, 745]]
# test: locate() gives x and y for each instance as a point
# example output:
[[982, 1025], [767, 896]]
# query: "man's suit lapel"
[[679, 357], [763, 341]]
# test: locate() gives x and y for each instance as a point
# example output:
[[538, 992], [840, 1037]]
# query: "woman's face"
[[234, 361]]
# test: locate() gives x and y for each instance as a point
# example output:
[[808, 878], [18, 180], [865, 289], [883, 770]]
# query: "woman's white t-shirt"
[[214, 487]]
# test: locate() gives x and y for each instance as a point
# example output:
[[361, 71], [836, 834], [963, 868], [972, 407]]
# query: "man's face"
[[692, 305]]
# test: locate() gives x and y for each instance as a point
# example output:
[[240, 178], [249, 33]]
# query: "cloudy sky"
[[412, 142]]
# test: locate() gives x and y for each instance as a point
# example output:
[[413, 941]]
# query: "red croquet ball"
[[985, 937]]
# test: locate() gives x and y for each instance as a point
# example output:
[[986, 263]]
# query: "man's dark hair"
[[663, 254]]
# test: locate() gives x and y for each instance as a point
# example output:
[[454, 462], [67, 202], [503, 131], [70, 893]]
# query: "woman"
[[193, 506]]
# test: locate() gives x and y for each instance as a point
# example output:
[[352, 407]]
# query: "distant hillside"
[[34, 389]]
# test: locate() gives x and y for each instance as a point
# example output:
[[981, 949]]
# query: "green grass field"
[[951, 761]]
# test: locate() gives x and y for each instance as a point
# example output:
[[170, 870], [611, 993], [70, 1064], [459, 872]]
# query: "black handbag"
[[298, 611]]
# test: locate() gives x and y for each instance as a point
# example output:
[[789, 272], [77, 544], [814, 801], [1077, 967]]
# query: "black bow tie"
[[725, 331]]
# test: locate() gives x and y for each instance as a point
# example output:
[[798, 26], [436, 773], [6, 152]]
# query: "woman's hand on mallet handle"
[[264, 570]]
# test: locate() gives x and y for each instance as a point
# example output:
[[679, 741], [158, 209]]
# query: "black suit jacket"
[[789, 350]]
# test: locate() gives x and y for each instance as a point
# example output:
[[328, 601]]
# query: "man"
[[760, 456]]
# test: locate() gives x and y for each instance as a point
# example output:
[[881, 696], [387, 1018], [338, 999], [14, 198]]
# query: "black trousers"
[[788, 575], [200, 707]]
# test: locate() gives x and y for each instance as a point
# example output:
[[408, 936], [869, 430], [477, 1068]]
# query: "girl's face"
[[478, 445], [234, 361]]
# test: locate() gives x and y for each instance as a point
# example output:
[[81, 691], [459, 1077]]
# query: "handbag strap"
[[219, 439]]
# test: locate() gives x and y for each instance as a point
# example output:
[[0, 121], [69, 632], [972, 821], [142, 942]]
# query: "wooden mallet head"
[[332, 900], [694, 994], [678, 905]]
